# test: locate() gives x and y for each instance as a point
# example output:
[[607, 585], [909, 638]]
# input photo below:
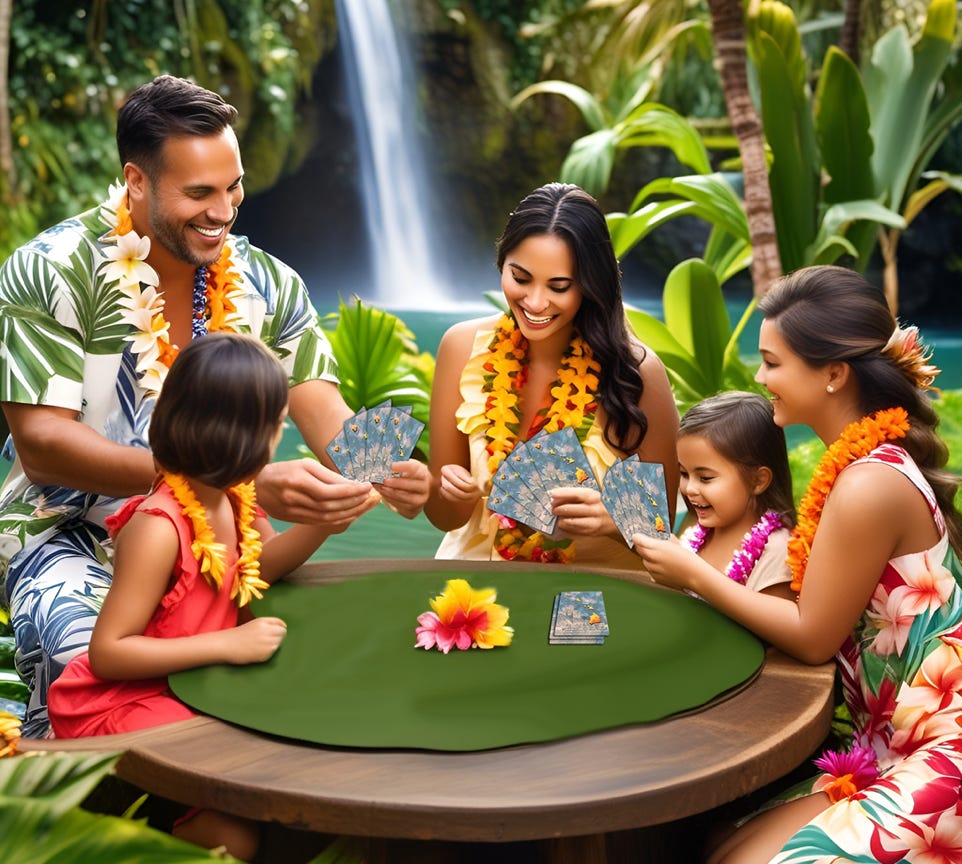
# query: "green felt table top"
[[348, 673]]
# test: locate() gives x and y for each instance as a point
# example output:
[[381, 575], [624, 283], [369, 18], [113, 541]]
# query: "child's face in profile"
[[716, 489]]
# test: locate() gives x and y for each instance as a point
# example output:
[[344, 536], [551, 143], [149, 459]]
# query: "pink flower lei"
[[747, 555]]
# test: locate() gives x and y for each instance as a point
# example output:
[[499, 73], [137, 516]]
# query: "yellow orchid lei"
[[210, 553], [126, 264], [572, 403], [858, 439]]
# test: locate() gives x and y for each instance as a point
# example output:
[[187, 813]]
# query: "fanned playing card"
[[372, 440], [578, 618], [560, 459], [511, 496], [521, 487], [635, 496]]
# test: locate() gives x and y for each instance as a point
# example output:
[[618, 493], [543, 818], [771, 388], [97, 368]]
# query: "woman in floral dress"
[[560, 357], [879, 586]]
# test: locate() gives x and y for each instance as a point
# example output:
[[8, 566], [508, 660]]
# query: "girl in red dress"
[[189, 556]]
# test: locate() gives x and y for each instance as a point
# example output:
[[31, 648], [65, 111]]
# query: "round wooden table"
[[608, 781]]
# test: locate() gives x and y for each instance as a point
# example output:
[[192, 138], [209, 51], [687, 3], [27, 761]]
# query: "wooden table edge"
[[153, 760]]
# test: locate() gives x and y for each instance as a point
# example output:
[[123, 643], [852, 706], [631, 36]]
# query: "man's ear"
[[136, 180]]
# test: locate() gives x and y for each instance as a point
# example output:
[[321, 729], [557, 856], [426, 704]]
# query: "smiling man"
[[92, 314]]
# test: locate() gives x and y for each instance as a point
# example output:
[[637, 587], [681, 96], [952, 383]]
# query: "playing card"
[[509, 490], [647, 498], [377, 463], [355, 434], [634, 495], [613, 497], [405, 431], [561, 460], [340, 454]]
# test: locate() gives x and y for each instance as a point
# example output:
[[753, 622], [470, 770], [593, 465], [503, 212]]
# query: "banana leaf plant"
[[696, 341], [42, 822], [378, 359], [870, 132]]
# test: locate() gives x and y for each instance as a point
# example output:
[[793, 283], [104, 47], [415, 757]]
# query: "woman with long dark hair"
[[562, 356]]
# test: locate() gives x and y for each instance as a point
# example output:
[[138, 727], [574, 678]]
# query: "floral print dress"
[[902, 675]]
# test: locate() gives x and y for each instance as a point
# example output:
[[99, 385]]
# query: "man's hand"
[[303, 490], [407, 489]]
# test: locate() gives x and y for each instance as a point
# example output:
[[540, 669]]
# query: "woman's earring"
[[829, 389]]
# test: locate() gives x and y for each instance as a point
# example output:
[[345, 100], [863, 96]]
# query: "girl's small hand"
[[406, 490], [458, 485], [668, 561], [580, 511], [256, 641]]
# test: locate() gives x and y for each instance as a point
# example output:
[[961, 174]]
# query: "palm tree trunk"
[[728, 36], [851, 28], [6, 136]]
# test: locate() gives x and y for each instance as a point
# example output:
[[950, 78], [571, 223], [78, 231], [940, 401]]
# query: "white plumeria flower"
[[126, 262], [149, 332], [149, 299], [115, 197]]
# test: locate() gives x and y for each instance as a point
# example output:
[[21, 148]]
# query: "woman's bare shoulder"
[[459, 337]]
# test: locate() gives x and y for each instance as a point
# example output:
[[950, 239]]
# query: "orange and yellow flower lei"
[[210, 553], [572, 403], [857, 440], [144, 307]]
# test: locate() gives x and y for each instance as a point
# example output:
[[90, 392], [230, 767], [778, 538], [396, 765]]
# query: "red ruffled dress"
[[81, 704]]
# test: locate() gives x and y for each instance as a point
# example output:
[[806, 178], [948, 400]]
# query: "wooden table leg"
[[589, 849]]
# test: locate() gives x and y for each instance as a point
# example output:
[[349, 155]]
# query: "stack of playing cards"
[[634, 495], [372, 440], [520, 489], [578, 618]]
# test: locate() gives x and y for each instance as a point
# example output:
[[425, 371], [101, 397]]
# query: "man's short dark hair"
[[167, 107]]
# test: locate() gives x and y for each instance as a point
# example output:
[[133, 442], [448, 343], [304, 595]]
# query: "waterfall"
[[394, 182]]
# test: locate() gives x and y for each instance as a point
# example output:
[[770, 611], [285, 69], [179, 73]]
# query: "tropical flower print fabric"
[[902, 676]]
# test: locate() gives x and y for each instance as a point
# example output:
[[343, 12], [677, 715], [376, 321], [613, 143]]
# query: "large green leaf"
[[590, 160], [378, 360], [795, 172], [590, 108], [842, 124], [696, 314], [679, 363], [708, 197], [900, 82], [651, 124]]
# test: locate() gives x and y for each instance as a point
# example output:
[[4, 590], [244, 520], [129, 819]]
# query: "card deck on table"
[[635, 496], [578, 618], [372, 440]]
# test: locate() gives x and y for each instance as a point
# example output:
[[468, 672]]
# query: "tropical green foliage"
[[871, 133], [696, 341], [378, 359], [71, 65], [41, 819]]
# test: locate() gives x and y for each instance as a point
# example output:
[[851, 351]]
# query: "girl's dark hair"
[[740, 426], [218, 410], [830, 314], [570, 213], [167, 107]]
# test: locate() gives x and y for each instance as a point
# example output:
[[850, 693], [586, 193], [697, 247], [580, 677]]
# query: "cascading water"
[[394, 183]]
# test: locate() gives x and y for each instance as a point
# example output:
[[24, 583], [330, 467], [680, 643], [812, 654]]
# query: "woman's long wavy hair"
[[830, 314], [568, 212]]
